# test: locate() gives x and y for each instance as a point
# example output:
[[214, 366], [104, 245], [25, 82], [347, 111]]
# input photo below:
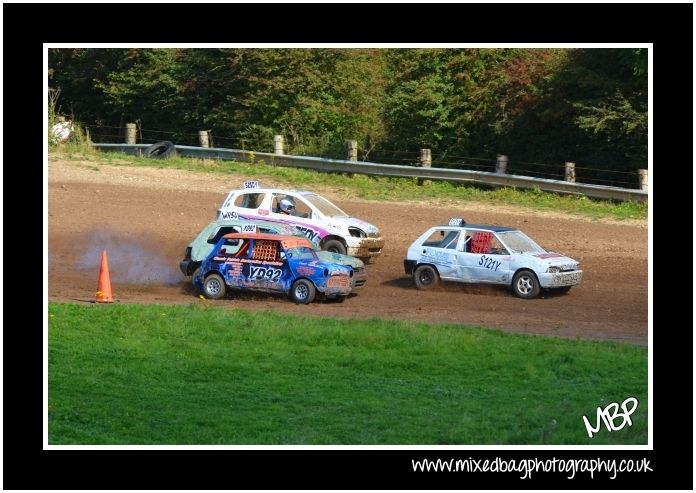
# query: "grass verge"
[[123, 374], [372, 187]]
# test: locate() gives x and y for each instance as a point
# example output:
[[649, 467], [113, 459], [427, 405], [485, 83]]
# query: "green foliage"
[[204, 374], [584, 105]]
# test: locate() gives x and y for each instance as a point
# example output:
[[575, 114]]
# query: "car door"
[[484, 258], [231, 257], [467, 261], [265, 271], [440, 250]]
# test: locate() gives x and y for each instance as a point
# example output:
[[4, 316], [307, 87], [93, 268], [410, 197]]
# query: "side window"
[[234, 248], [249, 200], [497, 247], [265, 250], [297, 207], [443, 238], [302, 209], [480, 242]]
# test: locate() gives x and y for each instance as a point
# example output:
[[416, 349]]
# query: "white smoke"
[[129, 262]]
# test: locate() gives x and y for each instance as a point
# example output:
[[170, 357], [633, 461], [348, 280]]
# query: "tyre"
[[214, 287], [426, 277], [525, 284], [302, 291], [195, 274], [160, 150], [334, 246]]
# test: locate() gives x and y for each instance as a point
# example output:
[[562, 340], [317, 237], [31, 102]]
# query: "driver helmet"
[[287, 205]]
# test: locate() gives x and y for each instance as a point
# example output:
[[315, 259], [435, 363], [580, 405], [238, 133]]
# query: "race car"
[[322, 222], [271, 263], [479, 253], [203, 244]]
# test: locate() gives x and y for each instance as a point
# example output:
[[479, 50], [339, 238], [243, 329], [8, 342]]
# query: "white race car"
[[476, 253], [323, 223]]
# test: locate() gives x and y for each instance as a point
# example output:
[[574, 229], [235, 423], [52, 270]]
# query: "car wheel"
[[160, 150], [525, 284], [195, 275], [334, 246], [214, 287], [426, 277], [302, 291]]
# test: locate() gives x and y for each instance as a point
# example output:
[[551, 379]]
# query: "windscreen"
[[325, 207]]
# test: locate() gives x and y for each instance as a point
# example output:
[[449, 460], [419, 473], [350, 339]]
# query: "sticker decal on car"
[[265, 273]]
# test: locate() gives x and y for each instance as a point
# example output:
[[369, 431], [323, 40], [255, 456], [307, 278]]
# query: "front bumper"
[[360, 277], [560, 279], [337, 286], [365, 247]]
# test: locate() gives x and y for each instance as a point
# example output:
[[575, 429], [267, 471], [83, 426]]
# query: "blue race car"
[[271, 263]]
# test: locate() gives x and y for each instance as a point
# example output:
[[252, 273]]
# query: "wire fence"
[[264, 143]]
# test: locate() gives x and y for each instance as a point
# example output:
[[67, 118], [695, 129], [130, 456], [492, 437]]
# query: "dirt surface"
[[145, 217]]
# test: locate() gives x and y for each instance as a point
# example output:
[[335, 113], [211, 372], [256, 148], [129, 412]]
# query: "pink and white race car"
[[322, 222]]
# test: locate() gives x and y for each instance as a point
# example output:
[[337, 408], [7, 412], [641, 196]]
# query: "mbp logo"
[[609, 414]]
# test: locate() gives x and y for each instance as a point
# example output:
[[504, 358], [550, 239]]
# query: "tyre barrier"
[[160, 150]]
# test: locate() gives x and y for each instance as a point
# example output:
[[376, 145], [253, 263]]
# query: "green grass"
[[201, 374], [377, 188]]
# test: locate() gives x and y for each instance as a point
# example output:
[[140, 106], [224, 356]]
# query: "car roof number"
[[249, 185]]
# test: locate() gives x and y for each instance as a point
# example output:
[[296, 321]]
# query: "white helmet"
[[287, 205]]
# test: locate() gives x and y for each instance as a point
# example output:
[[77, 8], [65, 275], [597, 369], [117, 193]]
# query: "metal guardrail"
[[376, 169]]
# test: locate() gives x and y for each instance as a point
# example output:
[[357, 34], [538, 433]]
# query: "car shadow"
[[453, 287], [187, 288]]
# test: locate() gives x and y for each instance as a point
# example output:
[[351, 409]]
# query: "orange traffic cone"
[[104, 287]]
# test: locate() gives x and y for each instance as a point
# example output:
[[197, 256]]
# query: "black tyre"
[[214, 287], [426, 277], [525, 284], [334, 246], [160, 150], [302, 291]]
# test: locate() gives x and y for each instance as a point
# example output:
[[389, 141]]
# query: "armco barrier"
[[376, 169]]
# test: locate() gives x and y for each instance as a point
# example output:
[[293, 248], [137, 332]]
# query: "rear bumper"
[[188, 267]]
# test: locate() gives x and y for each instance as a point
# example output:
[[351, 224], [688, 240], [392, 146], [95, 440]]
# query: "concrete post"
[[570, 172], [352, 150], [278, 144], [426, 161], [501, 164], [643, 179], [426, 158], [203, 138], [130, 133]]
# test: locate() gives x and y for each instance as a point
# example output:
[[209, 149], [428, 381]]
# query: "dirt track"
[[146, 217]]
